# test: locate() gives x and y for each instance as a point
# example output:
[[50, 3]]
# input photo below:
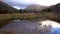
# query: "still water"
[[29, 27]]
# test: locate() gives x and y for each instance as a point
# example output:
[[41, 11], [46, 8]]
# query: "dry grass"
[[6, 18], [17, 16], [28, 16]]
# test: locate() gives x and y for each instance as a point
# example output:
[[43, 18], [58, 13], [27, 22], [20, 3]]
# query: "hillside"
[[4, 4], [54, 8], [5, 8], [35, 7]]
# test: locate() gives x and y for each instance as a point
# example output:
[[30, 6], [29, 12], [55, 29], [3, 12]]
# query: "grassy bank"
[[6, 18], [28, 16], [18, 16]]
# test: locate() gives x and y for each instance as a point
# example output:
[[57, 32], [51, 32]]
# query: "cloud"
[[24, 3], [17, 3]]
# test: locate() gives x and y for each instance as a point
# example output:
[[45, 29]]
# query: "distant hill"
[[4, 4], [54, 8], [35, 7], [5, 8]]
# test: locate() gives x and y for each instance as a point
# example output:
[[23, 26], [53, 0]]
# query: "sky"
[[24, 3]]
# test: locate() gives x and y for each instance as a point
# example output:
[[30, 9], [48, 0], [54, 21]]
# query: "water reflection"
[[29, 27], [53, 27]]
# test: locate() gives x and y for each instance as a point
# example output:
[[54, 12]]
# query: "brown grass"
[[6, 18]]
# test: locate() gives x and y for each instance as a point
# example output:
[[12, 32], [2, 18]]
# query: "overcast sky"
[[24, 3]]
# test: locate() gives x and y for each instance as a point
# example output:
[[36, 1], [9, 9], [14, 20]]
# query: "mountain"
[[35, 7], [54, 8], [5, 8], [4, 4], [53, 11]]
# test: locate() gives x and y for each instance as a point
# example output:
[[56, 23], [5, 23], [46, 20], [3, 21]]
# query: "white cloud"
[[25, 3], [41, 2], [16, 7]]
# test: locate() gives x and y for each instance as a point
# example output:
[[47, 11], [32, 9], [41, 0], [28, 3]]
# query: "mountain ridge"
[[35, 7], [53, 8]]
